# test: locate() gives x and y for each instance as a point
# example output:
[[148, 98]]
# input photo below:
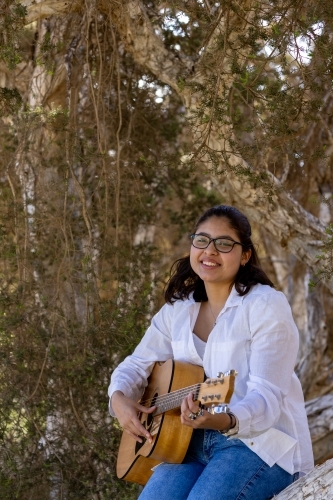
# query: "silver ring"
[[192, 416]]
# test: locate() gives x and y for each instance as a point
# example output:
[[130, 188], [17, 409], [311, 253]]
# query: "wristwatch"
[[234, 423]]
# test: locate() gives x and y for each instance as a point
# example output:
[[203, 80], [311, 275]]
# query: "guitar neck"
[[209, 392], [174, 399]]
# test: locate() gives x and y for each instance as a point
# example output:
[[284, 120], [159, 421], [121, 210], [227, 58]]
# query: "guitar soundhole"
[[147, 423], [138, 445]]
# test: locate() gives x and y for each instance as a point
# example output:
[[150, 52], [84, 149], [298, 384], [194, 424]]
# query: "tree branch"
[[296, 229], [147, 48], [317, 485], [45, 8], [320, 417]]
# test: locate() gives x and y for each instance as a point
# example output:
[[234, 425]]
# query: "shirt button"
[[252, 443]]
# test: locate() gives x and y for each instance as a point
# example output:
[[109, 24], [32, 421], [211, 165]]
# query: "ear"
[[245, 257]]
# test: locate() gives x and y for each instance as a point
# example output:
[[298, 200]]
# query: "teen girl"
[[222, 312]]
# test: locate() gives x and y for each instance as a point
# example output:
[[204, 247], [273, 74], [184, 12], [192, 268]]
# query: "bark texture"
[[290, 224], [317, 485], [320, 416]]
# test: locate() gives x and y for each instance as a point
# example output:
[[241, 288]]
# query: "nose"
[[211, 248]]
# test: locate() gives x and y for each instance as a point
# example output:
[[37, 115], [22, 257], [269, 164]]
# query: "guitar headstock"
[[217, 390]]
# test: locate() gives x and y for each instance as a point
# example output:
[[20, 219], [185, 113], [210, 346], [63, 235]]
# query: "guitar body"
[[170, 437], [169, 383]]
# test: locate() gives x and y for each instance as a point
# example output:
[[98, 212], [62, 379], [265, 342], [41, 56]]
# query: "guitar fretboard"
[[172, 400]]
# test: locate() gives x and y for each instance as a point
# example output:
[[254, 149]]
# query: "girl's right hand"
[[126, 411]]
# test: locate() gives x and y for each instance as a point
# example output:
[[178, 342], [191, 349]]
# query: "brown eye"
[[222, 244]]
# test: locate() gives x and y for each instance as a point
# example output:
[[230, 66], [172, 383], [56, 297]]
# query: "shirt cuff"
[[244, 419], [114, 389]]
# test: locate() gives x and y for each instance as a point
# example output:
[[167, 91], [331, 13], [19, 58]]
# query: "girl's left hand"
[[189, 408]]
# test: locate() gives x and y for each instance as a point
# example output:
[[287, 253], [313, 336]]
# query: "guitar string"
[[171, 397]]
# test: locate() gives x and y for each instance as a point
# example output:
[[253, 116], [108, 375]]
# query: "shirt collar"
[[234, 298]]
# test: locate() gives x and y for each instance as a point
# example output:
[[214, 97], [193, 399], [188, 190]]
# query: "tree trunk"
[[320, 416], [296, 229], [317, 485]]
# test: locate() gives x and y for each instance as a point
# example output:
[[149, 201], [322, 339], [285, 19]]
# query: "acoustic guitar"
[[169, 383]]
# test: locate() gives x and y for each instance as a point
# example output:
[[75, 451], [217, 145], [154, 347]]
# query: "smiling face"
[[213, 266]]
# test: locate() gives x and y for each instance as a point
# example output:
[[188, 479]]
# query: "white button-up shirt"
[[255, 335]]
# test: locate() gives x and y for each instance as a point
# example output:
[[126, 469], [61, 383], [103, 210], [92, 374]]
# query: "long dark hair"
[[184, 281]]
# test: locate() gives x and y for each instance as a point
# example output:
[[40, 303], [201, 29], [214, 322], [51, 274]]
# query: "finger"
[[142, 431], [139, 429], [190, 397], [188, 416], [188, 408], [193, 410], [184, 405], [136, 430], [134, 436], [146, 409], [187, 401], [186, 419], [192, 406], [184, 410]]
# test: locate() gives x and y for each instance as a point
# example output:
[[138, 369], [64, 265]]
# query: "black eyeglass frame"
[[192, 236]]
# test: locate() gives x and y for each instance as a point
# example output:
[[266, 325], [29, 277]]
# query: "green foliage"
[[11, 24], [101, 185], [78, 267], [46, 53], [10, 101], [265, 95]]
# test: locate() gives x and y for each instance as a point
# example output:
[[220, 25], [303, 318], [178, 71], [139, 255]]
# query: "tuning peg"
[[220, 375], [231, 372]]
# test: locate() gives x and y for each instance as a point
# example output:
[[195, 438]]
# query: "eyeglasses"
[[224, 245]]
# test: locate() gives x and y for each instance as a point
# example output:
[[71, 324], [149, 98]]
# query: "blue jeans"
[[216, 468]]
